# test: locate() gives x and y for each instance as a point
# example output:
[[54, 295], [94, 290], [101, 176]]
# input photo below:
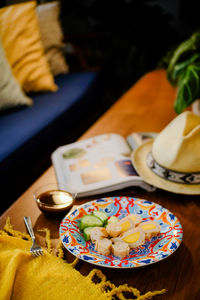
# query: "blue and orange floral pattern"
[[154, 250]]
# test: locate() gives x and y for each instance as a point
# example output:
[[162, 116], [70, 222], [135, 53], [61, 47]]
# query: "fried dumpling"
[[115, 229], [120, 249], [98, 233], [134, 237], [135, 218], [151, 228], [103, 246]]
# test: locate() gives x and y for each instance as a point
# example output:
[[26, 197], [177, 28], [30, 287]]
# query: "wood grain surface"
[[147, 106]]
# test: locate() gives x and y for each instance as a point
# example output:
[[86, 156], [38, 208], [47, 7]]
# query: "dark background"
[[122, 39]]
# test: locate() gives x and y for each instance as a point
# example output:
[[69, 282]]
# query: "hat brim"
[[139, 161]]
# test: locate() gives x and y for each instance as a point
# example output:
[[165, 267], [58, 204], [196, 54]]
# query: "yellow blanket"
[[48, 277]]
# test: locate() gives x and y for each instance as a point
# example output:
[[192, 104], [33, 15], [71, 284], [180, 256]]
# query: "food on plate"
[[126, 224], [134, 237], [90, 221], [112, 219], [135, 218], [115, 236], [86, 233], [150, 228], [103, 246], [120, 249], [101, 215], [98, 233], [115, 229]]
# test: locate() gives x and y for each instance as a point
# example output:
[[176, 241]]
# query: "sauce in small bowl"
[[50, 198]]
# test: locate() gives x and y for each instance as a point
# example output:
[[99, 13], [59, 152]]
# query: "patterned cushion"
[[52, 36]]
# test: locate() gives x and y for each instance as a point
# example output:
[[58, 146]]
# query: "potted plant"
[[183, 71]]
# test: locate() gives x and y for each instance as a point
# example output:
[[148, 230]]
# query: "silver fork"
[[35, 249]]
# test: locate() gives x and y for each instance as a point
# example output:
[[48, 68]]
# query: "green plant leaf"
[[180, 68], [188, 87], [189, 46]]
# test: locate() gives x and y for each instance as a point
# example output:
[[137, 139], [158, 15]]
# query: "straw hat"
[[171, 161]]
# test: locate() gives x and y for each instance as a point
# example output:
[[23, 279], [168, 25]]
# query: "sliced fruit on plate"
[[101, 215], [90, 221]]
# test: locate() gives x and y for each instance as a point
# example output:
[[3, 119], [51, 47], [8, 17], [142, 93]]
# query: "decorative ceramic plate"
[[154, 250]]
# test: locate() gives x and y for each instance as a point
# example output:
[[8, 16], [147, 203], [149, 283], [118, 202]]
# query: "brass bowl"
[[54, 198]]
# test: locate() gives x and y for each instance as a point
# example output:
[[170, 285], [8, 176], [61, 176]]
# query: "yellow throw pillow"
[[20, 35]]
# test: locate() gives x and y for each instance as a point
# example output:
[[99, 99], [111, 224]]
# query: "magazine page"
[[96, 165], [135, 139]]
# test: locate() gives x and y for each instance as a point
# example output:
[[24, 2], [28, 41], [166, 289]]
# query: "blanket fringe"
[[10, 231], [74, 263], [118, 291], [150, 295], [112, 290], [47, 238], [60, 254], [59, 250]]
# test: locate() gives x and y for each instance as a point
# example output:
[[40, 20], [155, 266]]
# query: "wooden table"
[[147, 106]]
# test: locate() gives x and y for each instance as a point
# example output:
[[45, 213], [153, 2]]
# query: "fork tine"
[[33, 253], [40, 253], [37, 253], [35, 249]]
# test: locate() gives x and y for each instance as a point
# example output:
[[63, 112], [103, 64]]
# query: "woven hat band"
[[174, 176]]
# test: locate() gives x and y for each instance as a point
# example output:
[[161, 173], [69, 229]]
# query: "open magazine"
[[99, 164]]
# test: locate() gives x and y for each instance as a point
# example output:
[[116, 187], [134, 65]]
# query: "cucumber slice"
[[101, 215], [86, 233], [90, 221], [113, 219]]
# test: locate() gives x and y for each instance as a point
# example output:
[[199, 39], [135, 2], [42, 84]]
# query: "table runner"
[[50, 277]]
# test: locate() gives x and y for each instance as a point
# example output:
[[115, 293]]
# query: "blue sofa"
[[32, 133]]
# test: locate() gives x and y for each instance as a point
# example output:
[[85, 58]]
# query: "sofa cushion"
[[52, 36], [18, 127], [20, 34], [11, 94]]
